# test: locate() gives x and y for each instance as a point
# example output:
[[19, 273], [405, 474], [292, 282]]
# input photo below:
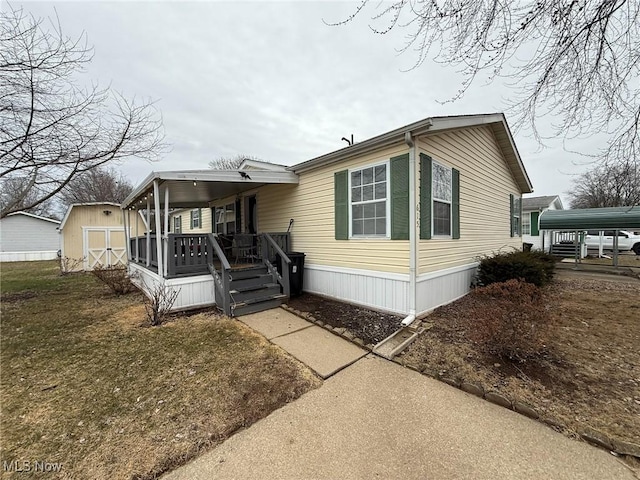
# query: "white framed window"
[[195, 218], [526, 223], [177, 224], [225, 216], [442, 195], [369, 201]]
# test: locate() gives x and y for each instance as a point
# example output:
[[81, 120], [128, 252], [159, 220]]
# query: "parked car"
[[627, 241]]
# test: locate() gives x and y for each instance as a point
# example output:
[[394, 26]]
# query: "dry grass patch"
[[85, 385], [624, 260], [589, 375]]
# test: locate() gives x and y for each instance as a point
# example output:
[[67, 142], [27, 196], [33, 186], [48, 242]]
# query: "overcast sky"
[[272, 80]]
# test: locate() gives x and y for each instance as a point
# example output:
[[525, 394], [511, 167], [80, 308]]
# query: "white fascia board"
[[33, 215], [230, 176]]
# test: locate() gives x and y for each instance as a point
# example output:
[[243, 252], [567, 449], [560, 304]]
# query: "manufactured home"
[[396, 222], [532, 207], [27, 237]]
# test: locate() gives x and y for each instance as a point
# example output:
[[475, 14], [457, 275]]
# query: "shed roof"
[[618, 218]]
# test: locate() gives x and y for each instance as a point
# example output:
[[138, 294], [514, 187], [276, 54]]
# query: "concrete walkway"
[[375, 419], [319, 349]]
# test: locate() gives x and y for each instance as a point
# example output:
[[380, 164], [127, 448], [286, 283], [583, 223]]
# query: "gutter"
[[413, 244]]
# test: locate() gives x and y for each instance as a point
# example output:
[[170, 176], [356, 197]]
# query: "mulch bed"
[[371, 326]]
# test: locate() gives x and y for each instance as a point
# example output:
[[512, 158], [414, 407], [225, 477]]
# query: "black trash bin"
[[296, 272], [526, 247]]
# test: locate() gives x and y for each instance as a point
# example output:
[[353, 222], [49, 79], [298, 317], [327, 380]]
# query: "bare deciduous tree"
[[15, 193], [99, 184], [231, 163], [51, 128], [573, 62], [606, 186]]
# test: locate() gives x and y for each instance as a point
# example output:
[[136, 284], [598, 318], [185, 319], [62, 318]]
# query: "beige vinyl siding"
[[93, 216], [485, 185], [185, 222], [311, 205]]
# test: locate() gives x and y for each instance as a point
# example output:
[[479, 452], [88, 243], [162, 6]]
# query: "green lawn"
[[86, 384]]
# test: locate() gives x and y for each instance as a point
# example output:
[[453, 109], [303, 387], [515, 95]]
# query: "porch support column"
[[148, 233], [156, 206], [166, 229], [137, 235], [126, 219]]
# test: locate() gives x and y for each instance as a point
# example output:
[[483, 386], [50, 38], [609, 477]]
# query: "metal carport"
[[579, 220]]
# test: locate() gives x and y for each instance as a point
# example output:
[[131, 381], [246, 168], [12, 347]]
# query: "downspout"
[[413, 247]]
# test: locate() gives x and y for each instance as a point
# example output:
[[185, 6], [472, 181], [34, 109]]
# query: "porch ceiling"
[[196, 188]]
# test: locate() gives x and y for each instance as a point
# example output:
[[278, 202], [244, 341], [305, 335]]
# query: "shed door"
[[104, 246]]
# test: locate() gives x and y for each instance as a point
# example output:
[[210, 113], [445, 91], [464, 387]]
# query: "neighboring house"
[[396, 222], [26, 237], [94, 234], [532, 207]]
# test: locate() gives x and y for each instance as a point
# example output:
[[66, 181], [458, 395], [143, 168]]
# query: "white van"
[[627, 241]]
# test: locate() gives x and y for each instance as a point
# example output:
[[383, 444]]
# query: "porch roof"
[[196, 188]]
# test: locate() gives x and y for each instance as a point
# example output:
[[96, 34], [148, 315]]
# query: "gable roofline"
[[33, 215], [68, 212], [432, 126], [247, 163], [538, 203]]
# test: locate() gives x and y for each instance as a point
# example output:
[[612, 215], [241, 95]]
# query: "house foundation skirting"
[[389, 291], [383, 291], [444, 286], [28, 256], [379, 290], [193, 292]]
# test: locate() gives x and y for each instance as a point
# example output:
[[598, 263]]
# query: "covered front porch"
[[239, 269]]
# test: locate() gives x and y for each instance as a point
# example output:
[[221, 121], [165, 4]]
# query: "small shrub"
[[158, 302], [70, 265], [511, 320], [533, 267], [116, 279]]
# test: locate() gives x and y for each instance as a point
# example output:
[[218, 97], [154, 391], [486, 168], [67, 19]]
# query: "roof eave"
[[428, 126]]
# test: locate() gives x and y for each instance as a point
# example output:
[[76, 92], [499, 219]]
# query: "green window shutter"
[[519, 217], [425, 197], [534, 224], [199, 218], [511, 213], [341, 204], [191, 219], [400, 197], [455, 203]]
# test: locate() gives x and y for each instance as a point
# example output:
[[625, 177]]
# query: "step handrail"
[[283, 279], [221, 280]]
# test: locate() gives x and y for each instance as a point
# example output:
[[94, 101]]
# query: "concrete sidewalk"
[[376, 419], [319, 349]]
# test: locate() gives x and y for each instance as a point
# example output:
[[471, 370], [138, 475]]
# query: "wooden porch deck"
[[198, 267]]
